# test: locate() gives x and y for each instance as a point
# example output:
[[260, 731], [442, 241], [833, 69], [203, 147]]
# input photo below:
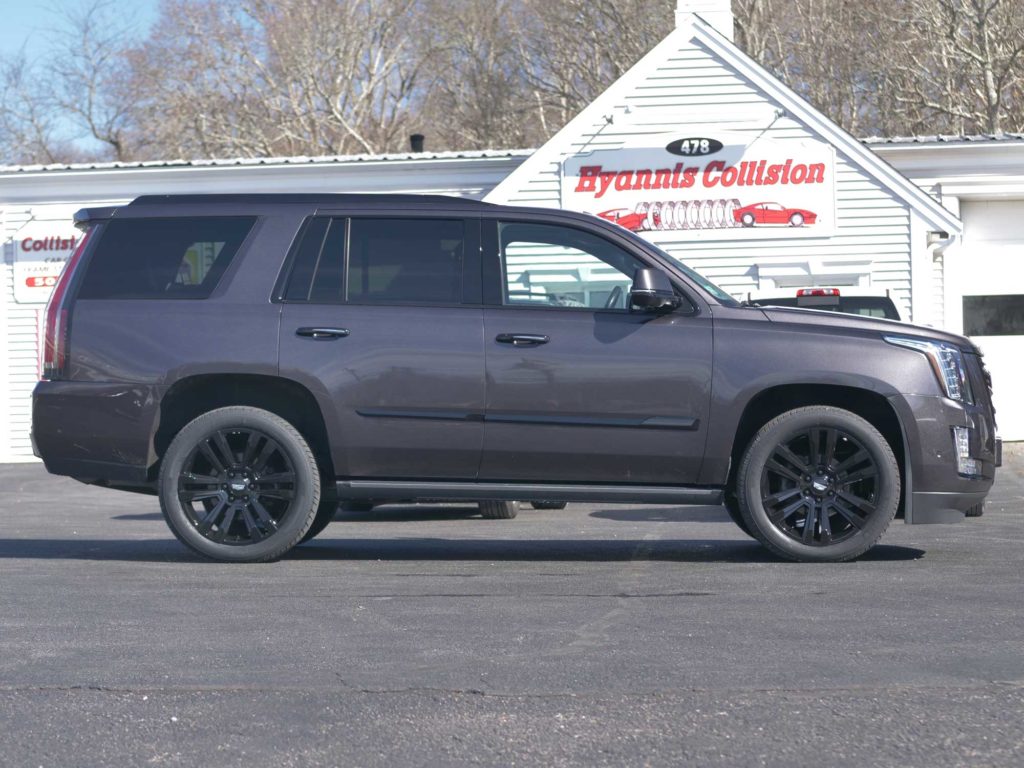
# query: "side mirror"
[[652, 291]]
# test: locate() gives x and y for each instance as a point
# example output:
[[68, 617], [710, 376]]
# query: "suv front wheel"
[[818, 484], [239, 484]]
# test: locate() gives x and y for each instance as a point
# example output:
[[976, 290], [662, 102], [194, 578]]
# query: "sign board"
[[717, 186], [40, 250]]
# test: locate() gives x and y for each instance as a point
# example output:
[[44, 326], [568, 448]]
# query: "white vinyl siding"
[[19, 365]]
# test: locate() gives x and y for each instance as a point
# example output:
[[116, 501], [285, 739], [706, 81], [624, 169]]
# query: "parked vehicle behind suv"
[[254, 359], [870, 302]]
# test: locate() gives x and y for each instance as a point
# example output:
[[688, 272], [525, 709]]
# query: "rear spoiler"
[[86, 216]]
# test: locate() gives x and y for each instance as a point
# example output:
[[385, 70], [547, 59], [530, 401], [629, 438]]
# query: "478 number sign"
[[694, 147]]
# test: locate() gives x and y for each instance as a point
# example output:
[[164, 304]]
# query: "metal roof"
[[980, 138], [275, 161], [305, 198]]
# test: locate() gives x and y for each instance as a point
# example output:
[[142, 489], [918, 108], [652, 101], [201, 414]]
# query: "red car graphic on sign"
[[773, 213], [624, 217]]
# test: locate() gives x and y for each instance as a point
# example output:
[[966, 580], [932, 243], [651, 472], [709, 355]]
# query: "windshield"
[[721, 295]]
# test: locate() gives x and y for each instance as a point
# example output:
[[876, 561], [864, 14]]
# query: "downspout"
[[938, 243]]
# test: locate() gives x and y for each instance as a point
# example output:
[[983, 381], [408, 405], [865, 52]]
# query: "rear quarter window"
[[172, 258]]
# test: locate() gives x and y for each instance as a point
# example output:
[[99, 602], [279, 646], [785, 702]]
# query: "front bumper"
[[936, 491]]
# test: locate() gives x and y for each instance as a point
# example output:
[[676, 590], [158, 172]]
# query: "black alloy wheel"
[[818, 484], [239, 484]]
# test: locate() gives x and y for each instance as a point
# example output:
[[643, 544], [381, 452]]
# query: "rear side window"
[[405, 260], [378, 261], [178, 258]]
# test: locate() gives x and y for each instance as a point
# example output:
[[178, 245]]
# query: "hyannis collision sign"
[[40, 250], [724, 186]]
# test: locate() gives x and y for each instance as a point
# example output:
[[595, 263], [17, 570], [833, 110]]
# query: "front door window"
[[551, 266]]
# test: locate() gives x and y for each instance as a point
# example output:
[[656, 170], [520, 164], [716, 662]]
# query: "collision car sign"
[[728, 186]]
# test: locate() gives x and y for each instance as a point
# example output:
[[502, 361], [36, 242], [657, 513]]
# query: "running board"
[[441, 491]]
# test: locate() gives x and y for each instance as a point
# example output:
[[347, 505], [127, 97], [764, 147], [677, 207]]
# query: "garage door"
[[990, 282]]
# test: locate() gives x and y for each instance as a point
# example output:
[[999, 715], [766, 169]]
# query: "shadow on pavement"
[[141, 516], [666, 515], [437, 549], [407, 513]]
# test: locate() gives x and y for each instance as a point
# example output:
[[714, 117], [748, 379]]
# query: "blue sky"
[[31, 22]]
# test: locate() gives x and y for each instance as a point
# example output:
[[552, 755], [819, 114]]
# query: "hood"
[[841, 321]]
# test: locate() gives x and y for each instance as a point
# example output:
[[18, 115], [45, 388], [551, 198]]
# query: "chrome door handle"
[[522, 339], [323, 333]]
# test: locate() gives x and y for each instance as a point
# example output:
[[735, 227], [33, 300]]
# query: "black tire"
[[498, 510], [747, 219], [239, 484], [796, 220], [548, 504], [821, 466], [732, 506], [324, 515]]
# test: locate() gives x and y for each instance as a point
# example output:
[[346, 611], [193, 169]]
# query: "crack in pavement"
[[346, 687]]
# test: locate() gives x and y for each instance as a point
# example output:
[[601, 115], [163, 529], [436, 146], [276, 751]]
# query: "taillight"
[[53, 346], [817, 292]]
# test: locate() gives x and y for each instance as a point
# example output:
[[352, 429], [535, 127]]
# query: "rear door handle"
[[522, 339], [323, 333]]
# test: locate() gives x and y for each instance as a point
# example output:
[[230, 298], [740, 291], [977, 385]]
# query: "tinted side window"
[[547, 265], [179, 258], [406, 260], [305, 258]]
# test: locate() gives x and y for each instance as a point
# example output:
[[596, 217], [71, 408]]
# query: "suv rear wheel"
[[818, 484], [239, 484]]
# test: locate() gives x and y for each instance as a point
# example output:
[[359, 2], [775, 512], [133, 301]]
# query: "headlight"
[[947, 362]]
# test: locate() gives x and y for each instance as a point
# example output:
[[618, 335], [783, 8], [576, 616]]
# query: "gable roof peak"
[[716, 13]]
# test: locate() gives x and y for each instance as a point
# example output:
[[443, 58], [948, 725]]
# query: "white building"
[[981, 179], [692, 138]]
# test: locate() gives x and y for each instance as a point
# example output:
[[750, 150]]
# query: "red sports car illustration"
[[773, 213], [624, 217]]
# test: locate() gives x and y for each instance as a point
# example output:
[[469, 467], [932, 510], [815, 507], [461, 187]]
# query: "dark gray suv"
[[256, 359]]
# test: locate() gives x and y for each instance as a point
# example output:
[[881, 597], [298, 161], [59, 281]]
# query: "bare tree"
[[575, 49], [896, 67], [292, 77], [477, 95], [27, 125], [257, 78], [963, 64], [88, 78]]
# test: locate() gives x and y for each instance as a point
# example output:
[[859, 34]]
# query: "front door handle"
[[522, 339], [322, 333]]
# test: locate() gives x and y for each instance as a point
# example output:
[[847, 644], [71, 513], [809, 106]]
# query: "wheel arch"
[[194, 395], [870, 405]]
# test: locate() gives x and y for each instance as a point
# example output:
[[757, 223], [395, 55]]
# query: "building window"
[[994, 315]]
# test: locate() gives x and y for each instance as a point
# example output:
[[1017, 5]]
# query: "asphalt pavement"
[[423, 636]]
